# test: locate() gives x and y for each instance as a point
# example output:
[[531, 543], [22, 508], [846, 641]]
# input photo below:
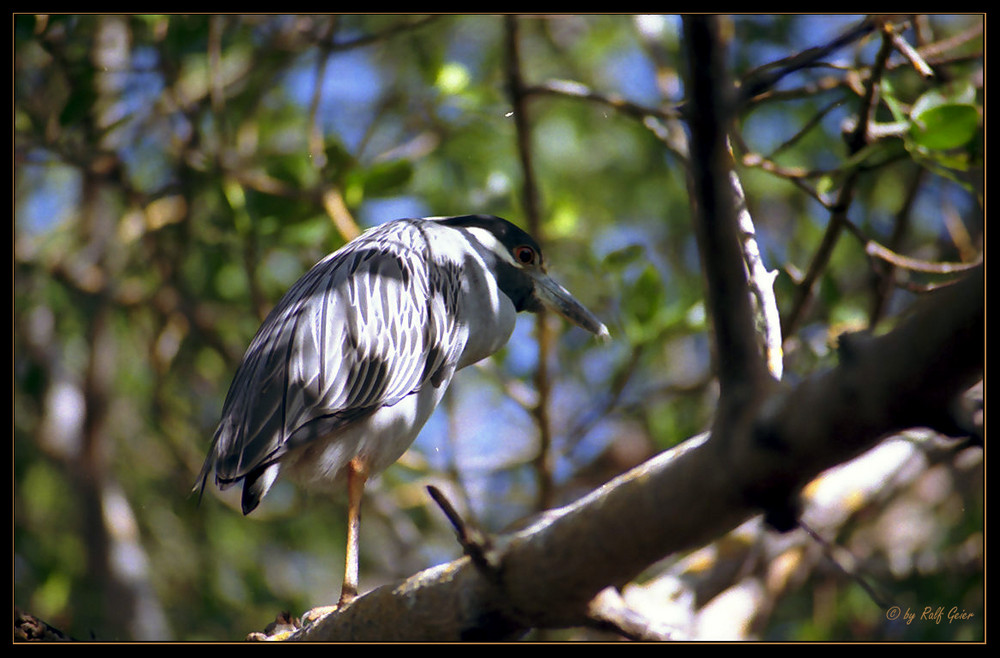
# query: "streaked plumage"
[[350, 364]]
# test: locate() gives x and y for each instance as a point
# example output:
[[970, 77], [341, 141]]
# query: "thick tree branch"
[[550, 573]]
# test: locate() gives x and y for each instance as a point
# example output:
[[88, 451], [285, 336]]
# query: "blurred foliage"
[[173, 175]]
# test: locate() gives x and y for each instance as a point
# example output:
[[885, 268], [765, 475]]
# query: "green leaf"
[[946, 126], [945, 119]]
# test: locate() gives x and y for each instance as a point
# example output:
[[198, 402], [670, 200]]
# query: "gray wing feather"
[[361, 330]]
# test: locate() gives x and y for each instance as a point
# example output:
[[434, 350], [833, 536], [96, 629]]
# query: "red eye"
[[524, 255]]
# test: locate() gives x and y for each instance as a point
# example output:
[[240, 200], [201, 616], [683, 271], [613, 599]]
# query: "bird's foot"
[[347, 595], [317, 613], [283, 626]]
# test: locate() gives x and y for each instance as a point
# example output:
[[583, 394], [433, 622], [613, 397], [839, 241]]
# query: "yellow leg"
[[357, 474]]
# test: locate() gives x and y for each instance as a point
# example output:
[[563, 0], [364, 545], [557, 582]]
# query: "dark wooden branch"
[[739, 361]]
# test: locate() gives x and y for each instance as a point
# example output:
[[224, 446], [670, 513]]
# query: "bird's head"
[[519, 267]]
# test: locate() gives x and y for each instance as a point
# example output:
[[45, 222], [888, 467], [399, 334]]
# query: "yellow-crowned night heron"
[[349, 365]]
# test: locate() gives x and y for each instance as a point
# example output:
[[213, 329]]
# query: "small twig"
[[476, 544], [763, 79], [960, 236], [806, 90], [876, 250], [806, 128], [580, 91], [339, 213], [910, 53], [886, 275], [792, 174], [935, 51], [827, 548], [662, 122]]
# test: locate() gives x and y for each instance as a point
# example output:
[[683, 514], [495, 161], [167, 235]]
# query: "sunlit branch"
[[554, 571]]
